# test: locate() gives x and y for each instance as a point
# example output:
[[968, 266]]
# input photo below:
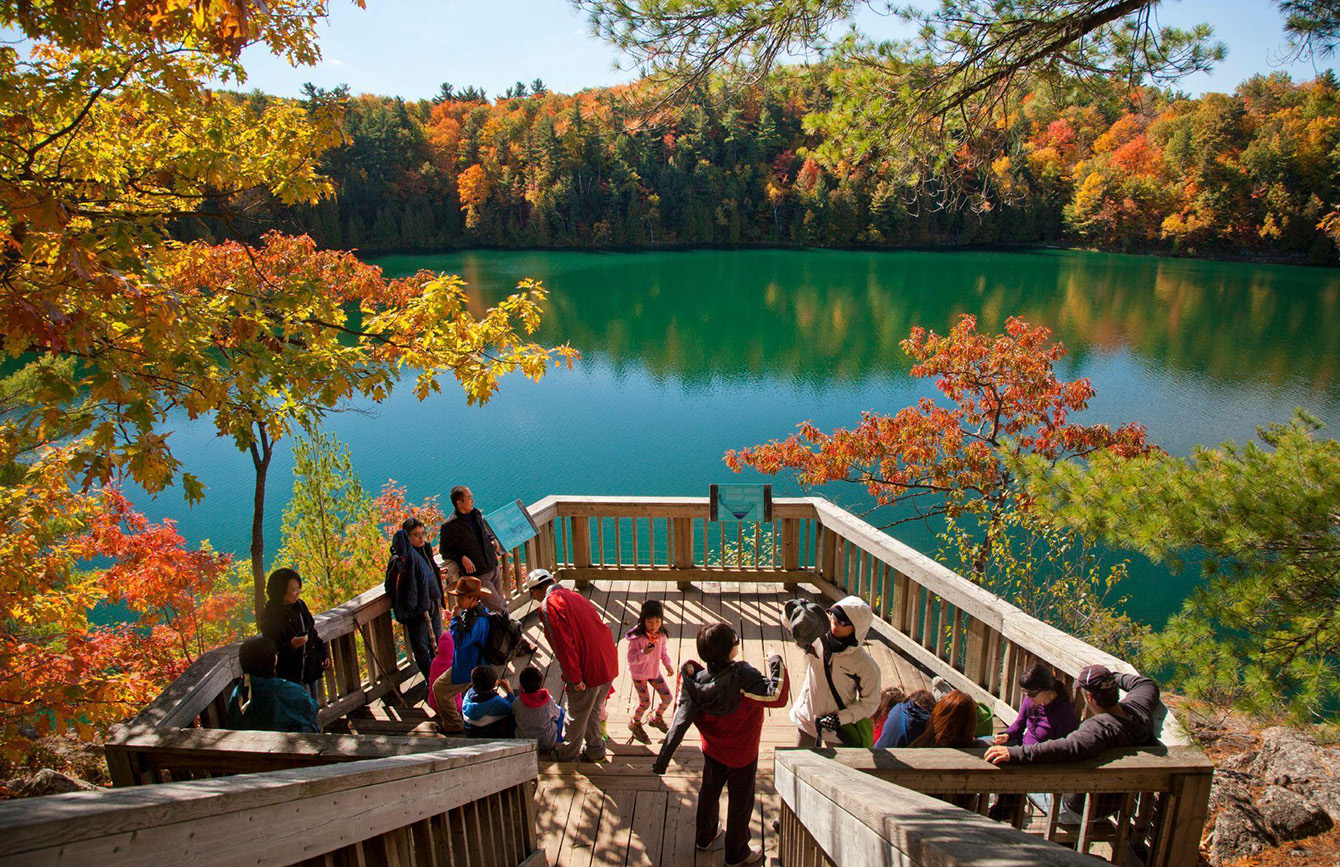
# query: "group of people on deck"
[[841, 701]]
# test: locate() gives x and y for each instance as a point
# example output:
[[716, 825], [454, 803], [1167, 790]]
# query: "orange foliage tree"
[[66, 551], [1005, 401], [393, 507]]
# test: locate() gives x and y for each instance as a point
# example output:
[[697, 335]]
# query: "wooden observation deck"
[[380, 786]]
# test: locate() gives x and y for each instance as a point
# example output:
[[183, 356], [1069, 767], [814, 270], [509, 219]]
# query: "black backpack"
[[504, 638]]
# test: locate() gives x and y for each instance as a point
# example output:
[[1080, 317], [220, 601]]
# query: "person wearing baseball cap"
[[584, 648], [1113, 723]]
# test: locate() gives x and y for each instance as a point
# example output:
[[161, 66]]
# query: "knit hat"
[[806, 620]]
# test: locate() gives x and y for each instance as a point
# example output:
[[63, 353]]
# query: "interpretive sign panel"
[[512, 525], [741, 503]]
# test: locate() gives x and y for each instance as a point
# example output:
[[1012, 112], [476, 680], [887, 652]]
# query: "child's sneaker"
[[639, 733], [754, 856], [658, 722]]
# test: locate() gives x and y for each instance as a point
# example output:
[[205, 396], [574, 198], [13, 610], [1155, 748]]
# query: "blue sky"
[[408, 47]]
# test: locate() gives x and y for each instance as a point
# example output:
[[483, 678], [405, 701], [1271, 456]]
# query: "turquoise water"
[[687, 354]]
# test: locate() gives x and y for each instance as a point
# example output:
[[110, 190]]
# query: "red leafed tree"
[[393, 507], [66, 552], [1004, 401]]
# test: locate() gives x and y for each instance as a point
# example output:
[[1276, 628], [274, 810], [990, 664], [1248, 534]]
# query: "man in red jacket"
[[584, 648]]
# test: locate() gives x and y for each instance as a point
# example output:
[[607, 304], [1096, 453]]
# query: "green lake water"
[[687, 354]]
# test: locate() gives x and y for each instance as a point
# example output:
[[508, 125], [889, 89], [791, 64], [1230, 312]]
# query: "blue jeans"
[[419, 631]]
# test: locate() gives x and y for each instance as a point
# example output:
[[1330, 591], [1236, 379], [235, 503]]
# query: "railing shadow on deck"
[[939, 619]]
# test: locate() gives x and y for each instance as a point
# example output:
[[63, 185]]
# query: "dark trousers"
[[739, 786], [420, 634]]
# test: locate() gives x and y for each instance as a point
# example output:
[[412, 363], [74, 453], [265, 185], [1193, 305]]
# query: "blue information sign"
[[751, 503], [512, 525]]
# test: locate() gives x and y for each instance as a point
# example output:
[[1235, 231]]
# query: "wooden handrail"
[[844, 817], [450, 803], [945, 771], [1148, 804]]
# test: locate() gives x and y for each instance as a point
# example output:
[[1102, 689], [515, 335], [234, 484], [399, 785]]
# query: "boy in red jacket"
[[725, 701], [584, 648]]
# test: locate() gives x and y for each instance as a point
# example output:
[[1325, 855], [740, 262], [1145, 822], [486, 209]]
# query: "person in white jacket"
[[837, 658]]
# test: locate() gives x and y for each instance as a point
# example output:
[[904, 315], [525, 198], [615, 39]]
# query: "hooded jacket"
[[727, 707], [855, 675], [418, 589], [470, 635], [905, 723], [272, 704], [539, 717], [582, 643], [446, 652]]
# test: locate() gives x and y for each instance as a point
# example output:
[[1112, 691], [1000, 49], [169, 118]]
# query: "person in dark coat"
[[418, 594], [303, 656], [1114, 723], [417, 531], [468, 539]]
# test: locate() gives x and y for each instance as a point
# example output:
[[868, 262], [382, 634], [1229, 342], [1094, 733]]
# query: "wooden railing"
[[368, 661], [1146, 806], [939, 619], [979, 642], [671, 539], [472, 806], [835, 816]]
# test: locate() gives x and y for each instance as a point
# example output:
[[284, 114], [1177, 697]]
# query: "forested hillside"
[[1252, 173]]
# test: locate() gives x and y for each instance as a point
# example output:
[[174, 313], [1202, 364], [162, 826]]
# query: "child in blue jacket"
[[488, 714]]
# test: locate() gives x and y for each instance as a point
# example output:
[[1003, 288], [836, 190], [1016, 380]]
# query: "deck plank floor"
[[618, 813]]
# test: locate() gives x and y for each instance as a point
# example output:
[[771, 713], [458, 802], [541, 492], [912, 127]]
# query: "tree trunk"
[[261, 452]]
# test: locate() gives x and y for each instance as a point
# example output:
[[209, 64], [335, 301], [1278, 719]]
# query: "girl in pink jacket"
[[647, 651]]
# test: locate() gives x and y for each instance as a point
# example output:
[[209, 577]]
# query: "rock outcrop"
[[1287, 789]]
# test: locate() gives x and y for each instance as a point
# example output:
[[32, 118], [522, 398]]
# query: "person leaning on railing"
[[1113, 724], [286, 621], [467, 538]]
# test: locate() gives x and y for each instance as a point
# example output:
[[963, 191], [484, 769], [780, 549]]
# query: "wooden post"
[[828, 556], [1184, 820], [790, 546], [902, 592], [975, 667], [581, 547], [683, 548]]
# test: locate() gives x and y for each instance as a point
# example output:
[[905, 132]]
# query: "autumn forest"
[[1253, 172]]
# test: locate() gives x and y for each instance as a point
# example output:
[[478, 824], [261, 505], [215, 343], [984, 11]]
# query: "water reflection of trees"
[[819, 316]]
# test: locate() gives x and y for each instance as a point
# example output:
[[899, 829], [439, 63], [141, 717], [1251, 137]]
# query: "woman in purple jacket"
[[1047, 713]]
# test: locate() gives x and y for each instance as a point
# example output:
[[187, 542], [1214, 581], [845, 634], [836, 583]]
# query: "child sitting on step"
[[536, 714], [647, 651], [487, 714]]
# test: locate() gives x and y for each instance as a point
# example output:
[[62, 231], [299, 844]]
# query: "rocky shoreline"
[[1285, 789]]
